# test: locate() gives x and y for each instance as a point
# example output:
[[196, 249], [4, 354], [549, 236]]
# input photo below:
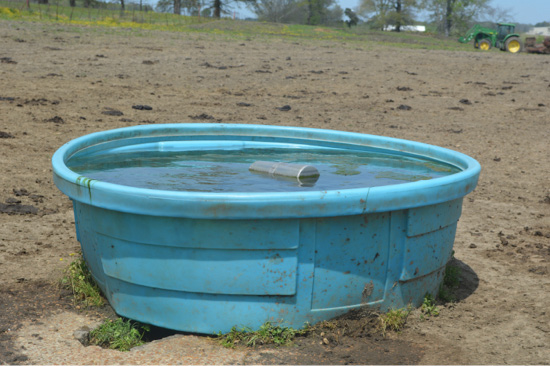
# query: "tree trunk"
[[399, 18], [42, 1], [309, 11], [217, 8], [121, 5], [177, 7], [448, 17], [72, 3]]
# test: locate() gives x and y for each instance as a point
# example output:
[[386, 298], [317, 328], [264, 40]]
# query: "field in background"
[[61, 12]]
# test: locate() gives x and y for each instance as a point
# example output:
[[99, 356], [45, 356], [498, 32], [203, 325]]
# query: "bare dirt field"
[[58, 83]]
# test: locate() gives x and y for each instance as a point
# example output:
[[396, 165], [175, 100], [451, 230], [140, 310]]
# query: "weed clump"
[[429, 308], [266, 334], [79, 280], [394, 319], [119, 334]]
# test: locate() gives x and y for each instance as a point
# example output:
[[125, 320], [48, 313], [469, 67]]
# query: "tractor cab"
[[504, 29]]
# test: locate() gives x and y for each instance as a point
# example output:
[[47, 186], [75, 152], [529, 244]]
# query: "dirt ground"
[[59, 82]]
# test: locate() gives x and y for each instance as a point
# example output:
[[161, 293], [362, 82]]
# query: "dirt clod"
[[17, 209], [202, 116], [6, 135], [7, 60], [20, 192], [112, 112], [142, 107], [55, 119], [284, 108]]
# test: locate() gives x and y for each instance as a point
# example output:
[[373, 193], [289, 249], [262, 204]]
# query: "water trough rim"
[[242, 205]]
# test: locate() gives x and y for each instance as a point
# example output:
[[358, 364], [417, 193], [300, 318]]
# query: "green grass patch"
[[119, 334], [266, 334], [78, 279], [394, 319], [60, 12], [429, 307]]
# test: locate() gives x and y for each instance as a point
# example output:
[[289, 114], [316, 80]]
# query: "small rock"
[[473, 246], [325, 341], [284, 108], [82, 335], [465, 101], [404, 107]]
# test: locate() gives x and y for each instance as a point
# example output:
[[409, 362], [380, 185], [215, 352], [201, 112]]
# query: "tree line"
[[448, 17], [312, 12]]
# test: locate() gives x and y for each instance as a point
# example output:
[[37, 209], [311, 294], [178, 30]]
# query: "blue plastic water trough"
[[179, 232]]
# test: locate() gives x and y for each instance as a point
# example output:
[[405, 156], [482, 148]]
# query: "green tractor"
[[503, 38]]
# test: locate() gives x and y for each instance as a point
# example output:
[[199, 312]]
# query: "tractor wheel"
[[485, 45], [513, 45]]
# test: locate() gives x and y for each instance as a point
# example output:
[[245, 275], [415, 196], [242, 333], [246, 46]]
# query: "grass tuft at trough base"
[[119, 334], [394, 319], [266, 334], [78, 279]]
